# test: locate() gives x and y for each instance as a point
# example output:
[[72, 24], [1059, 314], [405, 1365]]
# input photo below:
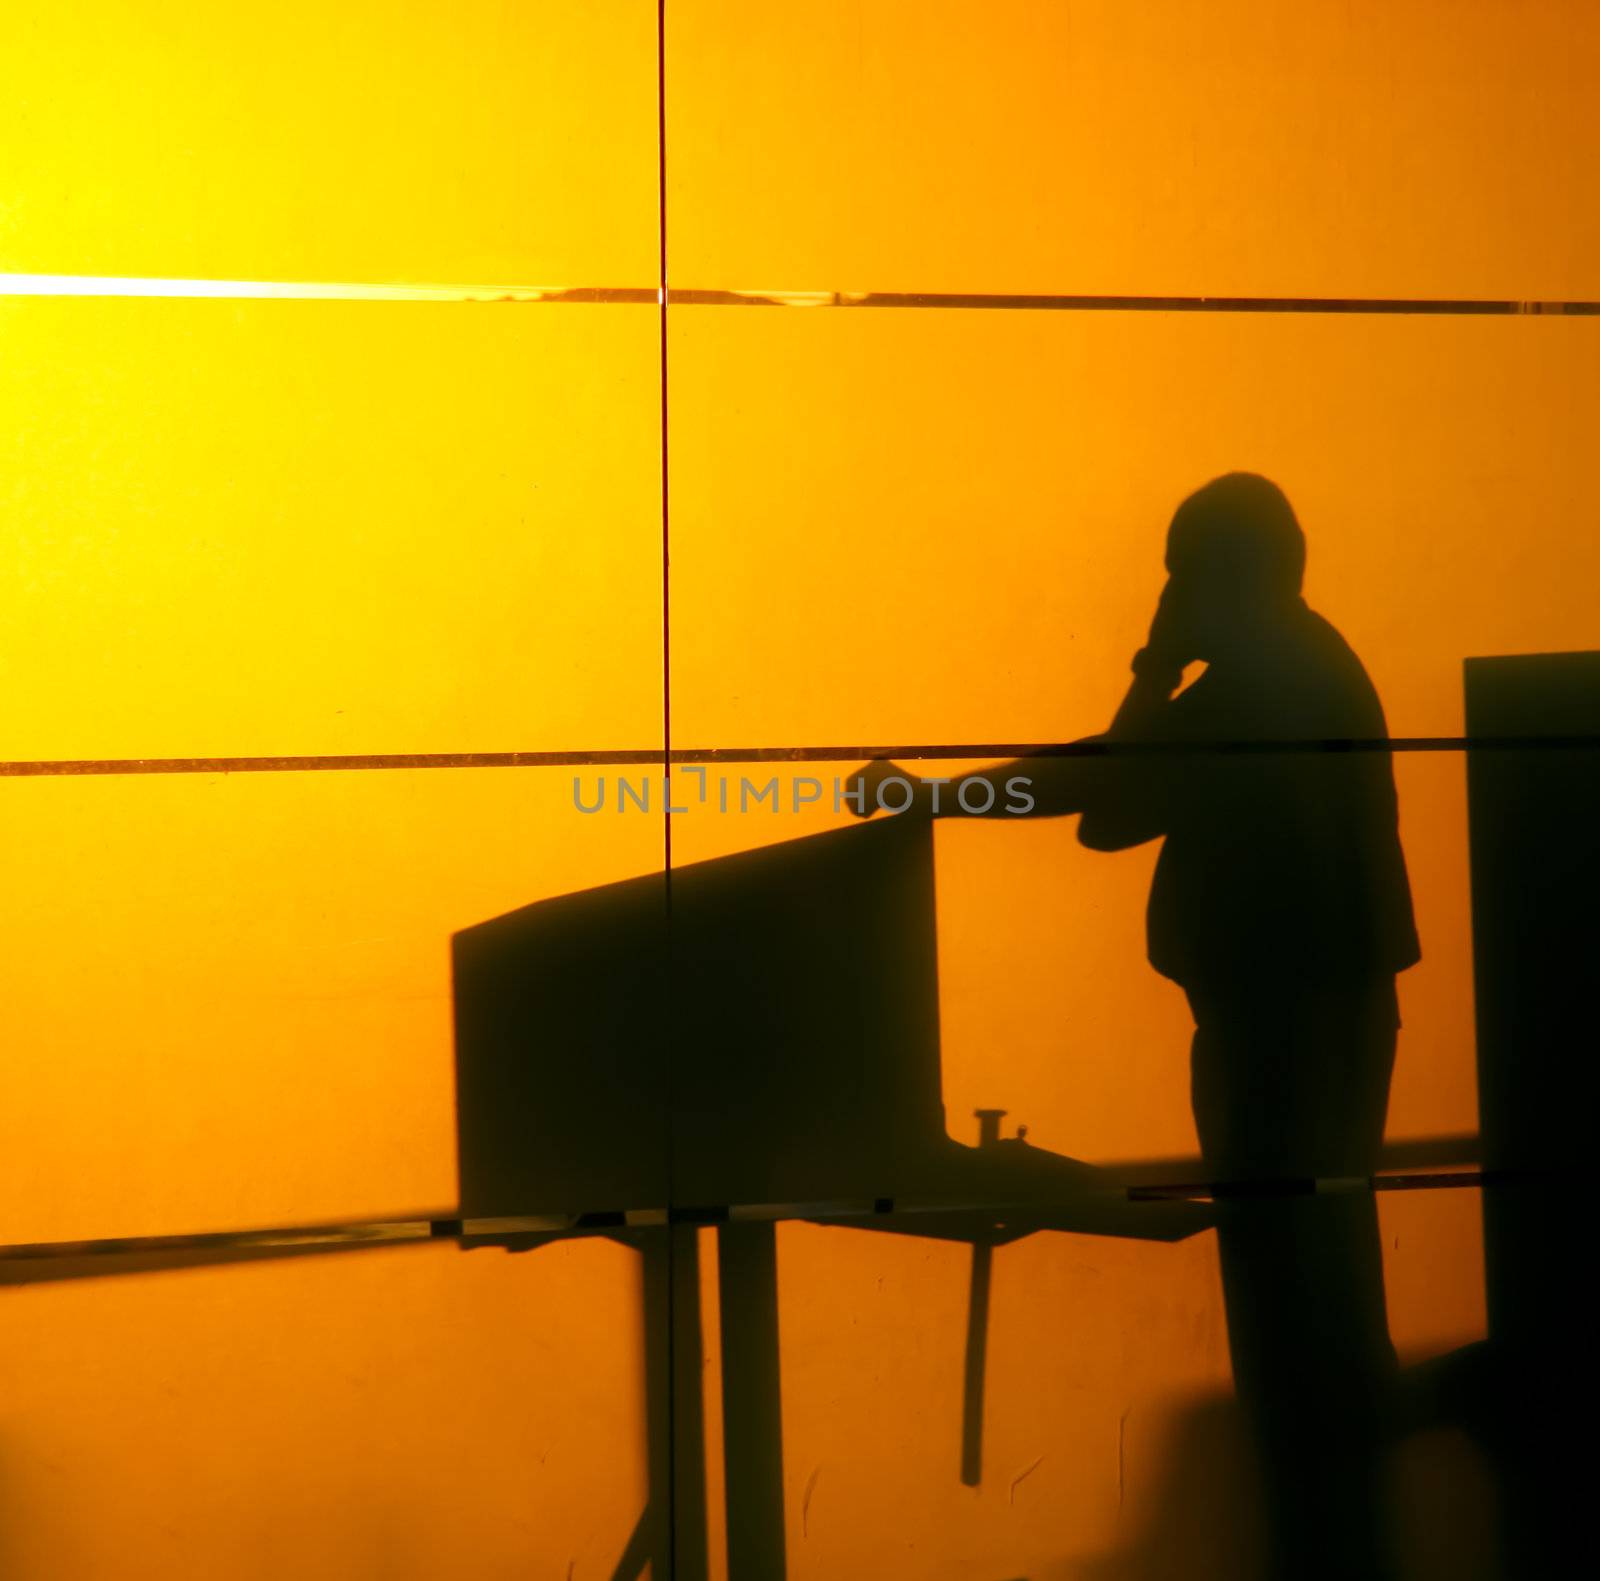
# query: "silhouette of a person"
[[1280, 904]]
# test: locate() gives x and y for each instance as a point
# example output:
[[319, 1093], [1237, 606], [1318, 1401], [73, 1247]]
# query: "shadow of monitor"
[[771, 1037], [764, 1035], [768, 1034]]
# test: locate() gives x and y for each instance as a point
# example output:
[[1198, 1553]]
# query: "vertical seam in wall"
[[661, 308], [670, 1493]]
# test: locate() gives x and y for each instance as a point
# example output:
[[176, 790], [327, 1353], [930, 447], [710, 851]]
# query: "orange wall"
[[264, 527]]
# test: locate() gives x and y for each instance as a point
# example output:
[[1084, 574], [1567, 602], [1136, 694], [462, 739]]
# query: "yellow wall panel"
[[1433, 1270], [261, 528], [948, 526], [375, 141], [228, 997], [873, 1334], [411, 1412], [1433, 148]]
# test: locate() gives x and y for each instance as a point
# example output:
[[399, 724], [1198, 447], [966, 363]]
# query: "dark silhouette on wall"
[[760, 1041], [1280, 904], [769, 1041], [1533, 785]]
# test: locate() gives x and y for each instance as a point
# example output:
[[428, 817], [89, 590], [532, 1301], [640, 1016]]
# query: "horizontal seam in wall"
[[55, 285], [622, 757]]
